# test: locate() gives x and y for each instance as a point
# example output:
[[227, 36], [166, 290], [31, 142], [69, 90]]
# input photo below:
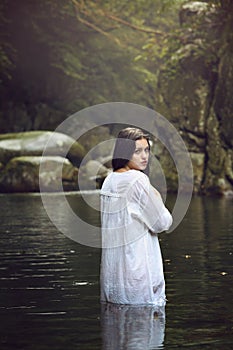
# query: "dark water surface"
[[49, 284]]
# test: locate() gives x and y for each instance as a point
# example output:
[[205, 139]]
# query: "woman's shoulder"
[[127, 178], [131, 175], [139, 176]]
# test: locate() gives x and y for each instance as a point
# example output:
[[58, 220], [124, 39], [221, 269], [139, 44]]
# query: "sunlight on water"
[[49, 285]]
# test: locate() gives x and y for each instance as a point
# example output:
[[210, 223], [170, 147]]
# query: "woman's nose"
[[144, 154]]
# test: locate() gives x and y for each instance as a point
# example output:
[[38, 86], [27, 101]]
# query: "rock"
[[228, 165], [198, 162], [185, 96], [218, 172], [92, 175], [228, 194], [106, 161], [192, 9], [98, 143], [21, 152], [32, 143], [195, 94], [223, 103], [95, 168], [23, 174]]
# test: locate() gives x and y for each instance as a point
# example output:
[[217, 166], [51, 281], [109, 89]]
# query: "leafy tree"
[[69, 55]]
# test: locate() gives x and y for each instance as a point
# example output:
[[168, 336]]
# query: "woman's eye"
[[138, 151]]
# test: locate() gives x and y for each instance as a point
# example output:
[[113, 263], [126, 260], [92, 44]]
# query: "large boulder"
[[25, 174], [32, 143], [22, 153]]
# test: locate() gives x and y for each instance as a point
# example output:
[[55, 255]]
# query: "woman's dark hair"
[[125, 146]]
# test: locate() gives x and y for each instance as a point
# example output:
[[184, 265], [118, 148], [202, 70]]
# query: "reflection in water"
[[49, 284], [132, 327], [198, 269]]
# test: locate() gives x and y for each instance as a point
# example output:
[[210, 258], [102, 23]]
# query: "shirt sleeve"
[[150, 208]]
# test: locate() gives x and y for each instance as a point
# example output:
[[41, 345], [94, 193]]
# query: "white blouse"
[[132, 213]]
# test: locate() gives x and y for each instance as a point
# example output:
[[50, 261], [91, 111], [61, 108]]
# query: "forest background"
[[174, 56]]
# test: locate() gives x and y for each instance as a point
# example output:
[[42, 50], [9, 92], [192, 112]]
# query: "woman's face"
[[140, 156]]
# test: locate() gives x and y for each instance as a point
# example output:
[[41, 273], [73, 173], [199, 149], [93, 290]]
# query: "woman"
[[132, 215]]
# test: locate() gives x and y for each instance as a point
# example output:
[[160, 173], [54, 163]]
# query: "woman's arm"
[[153, 212]]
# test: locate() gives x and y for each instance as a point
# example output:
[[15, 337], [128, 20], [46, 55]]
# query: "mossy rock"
[[25, 174], [32, 143]]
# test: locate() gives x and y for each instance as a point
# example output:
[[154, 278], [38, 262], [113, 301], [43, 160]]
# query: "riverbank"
[[69, 165]]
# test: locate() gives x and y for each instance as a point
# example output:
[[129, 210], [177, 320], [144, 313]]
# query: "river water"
[[49, 284]]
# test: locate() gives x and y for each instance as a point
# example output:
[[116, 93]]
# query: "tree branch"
[[133, 26], [92, 25], [80, 8]]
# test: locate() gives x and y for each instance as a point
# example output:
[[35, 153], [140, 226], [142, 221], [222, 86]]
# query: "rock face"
[[196, 96]]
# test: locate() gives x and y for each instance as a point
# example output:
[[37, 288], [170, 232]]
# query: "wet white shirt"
[[132, 214]]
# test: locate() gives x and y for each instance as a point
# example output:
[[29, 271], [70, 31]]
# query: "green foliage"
[[72, 54], [69, 55]]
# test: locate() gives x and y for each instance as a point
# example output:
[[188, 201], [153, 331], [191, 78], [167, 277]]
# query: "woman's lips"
[[144, 163]]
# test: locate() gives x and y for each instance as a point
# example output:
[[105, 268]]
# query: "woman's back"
[[131, 267]]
